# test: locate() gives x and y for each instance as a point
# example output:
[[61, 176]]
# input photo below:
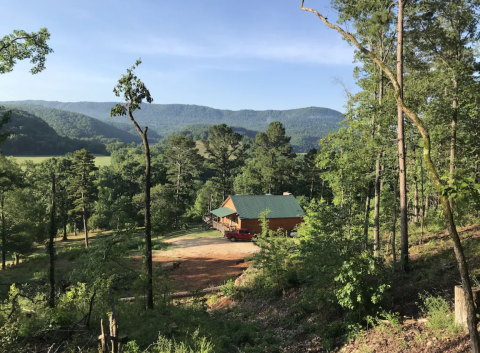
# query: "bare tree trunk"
[[65, 223], [224, 181], [464, 274], [382, 170], [376, 212], [321, 191], [148, 224], [394, 227], [427, 198], [366, 221], [4, 233], [17, 258], [422, 220], [75, 228], [177, 197], [453, 139], [90, 309], [113, 325], [85, 226], [415, 205], [103, 341], [401, 144], [51, 247], [415, 179]]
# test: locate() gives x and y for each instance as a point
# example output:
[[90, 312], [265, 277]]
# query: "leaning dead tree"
[[135, 92], [433, 173]]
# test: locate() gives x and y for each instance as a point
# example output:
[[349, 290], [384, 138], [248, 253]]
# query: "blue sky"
[[231, 54]]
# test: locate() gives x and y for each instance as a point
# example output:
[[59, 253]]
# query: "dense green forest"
[[76, 125], [386, 258], [30, 135], [305, 125]]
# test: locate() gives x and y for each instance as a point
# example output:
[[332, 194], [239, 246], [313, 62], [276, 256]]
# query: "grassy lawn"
[[100, 160]]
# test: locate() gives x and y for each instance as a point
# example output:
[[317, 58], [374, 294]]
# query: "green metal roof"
[[280, 206], [223, 212]]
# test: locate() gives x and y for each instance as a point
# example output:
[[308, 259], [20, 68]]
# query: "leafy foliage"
[[21, 45]]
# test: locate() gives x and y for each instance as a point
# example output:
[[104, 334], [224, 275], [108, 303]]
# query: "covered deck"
[[224, 219]]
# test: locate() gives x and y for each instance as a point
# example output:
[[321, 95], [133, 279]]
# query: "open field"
[[201, 148], [100, 160]]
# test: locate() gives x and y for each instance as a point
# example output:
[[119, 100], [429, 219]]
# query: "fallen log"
[[178, 295]]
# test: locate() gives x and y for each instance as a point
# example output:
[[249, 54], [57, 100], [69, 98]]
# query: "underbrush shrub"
[[276, 258], [328, 265], [9, 337], [195, 344], [35, 319], [440, 317], [362, 283], [228, 289]]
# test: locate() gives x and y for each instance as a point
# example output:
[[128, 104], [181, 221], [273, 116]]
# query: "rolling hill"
[[77, 125], [32, 136], [304, 125]]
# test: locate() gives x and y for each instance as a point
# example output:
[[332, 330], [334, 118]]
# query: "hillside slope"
[[30, 135], [304, 125], [77, 125]]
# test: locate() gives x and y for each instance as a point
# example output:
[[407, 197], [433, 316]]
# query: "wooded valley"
[[125, 257]]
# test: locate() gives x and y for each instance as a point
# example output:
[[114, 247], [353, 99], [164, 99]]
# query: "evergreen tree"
[[184, 165], [274, 157], [82, 188], [225, 150]]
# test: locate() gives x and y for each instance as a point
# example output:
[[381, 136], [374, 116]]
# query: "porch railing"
[[222, 228]]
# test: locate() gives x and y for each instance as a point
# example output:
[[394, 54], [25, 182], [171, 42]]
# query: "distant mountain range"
[[79, 119]]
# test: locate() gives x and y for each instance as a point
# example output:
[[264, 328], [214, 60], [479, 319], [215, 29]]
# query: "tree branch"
[[9, 44]]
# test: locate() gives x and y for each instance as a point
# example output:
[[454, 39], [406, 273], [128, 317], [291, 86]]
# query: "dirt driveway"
[[204, 262]]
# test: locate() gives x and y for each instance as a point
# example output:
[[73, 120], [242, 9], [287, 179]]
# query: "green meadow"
[[100, 160]]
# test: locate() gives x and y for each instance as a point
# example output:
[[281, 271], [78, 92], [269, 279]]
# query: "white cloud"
[[275, 48]]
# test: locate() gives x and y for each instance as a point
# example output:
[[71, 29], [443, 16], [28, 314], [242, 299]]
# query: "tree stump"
[[102, 339], [114, 333], [460, 308]]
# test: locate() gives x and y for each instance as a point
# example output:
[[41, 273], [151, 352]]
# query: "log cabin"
[[243, 211]]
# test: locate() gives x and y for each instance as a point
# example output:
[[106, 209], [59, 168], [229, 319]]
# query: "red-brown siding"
[[229, 203], [287, 224], [226, 220]]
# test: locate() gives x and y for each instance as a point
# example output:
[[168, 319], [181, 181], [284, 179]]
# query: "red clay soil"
[[203, 272], [203, 262]]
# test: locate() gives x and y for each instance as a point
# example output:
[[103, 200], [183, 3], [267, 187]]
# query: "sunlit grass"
[[100, 160]]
